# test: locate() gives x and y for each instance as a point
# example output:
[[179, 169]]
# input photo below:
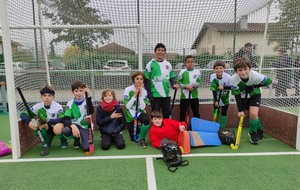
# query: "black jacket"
[[243, 53], [106, 124]]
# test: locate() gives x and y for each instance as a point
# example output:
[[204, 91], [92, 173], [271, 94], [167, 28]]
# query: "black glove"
[[43, 121], [249, 89]]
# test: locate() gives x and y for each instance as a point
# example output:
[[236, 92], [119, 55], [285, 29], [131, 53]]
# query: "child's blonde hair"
[[104, 92]]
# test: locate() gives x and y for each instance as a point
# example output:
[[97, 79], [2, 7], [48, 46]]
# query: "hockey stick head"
[[91, 150], [89, 153], [233, 146]]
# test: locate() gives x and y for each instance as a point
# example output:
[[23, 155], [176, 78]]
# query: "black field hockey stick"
[[135, 121], [37, 129], [188, 117], [216, 112], [172, 106], [90, 130]]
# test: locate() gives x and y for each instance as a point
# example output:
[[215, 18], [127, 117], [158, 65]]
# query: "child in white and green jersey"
[[75, 120], [50, 118], [189, 80], [159, 78], [245, 81], [133, 94], [220, 87]]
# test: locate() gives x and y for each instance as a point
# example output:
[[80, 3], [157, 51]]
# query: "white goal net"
[[103, 42]]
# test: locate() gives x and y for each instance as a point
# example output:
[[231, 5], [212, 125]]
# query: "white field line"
[[146, 156], [150, 173]]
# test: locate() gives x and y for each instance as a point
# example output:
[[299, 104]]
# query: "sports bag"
[[4, 149]]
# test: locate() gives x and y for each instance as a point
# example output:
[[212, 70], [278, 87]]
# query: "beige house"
[[217, 38], [14, 45], [115, 48]]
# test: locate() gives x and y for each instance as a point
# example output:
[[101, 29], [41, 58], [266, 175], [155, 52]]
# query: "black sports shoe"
[[142, 143], [45, 151], [63, 143], [76, 143], [260, 134], [253, 138]]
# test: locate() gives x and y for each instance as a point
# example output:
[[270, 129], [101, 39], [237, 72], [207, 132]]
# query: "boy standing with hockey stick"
[[135, 96], [160, 77], [189, 80], [75, 117], [50, 122], [247, 81], [220, 87]]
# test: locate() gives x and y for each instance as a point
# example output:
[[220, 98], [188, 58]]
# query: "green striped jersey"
[[187, 77], [55, 111], [77, 113], [130, 103], [159, 75], [215, 82], [255, 78]]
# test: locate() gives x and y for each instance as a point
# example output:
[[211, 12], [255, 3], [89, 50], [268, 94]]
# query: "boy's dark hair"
[[156, 114], [77, 84], [219, 63], [242, 62], [160, 45], [47, 90], [247, 44], [188, 56], [135, 74]]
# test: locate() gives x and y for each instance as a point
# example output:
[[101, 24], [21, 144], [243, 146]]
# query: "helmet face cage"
[[171, 154]]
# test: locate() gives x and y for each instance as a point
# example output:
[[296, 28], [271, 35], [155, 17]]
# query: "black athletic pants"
[[193, 104], [161, 104]]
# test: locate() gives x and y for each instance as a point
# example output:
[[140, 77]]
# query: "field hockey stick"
[[172, 106], [90, 130], [37, 129], [217, 108], [240, 128], [188, 117], [135, 121]]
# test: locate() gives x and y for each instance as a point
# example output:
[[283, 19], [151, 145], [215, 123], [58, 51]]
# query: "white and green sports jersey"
[[130, 103], [159, 75], [215, 82], [255, 78], [55, 110], [77, 113], [188, 77]]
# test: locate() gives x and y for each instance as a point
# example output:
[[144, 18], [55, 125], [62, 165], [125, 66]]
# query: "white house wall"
[[224, 42]]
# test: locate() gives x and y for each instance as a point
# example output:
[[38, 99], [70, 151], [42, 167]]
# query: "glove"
[[43, 120], [249, 89]]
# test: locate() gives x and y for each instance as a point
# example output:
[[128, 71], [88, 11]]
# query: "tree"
[[77, 12], [286, 31]]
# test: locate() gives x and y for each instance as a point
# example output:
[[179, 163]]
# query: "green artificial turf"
[[243, 172], [214, 172], [268, 144], [126, 174], [4, 127]]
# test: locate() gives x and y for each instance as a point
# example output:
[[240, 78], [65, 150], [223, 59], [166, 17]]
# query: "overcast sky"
[[173, 22]]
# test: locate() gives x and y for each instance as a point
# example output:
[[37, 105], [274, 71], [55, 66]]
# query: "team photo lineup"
[[152, 87]]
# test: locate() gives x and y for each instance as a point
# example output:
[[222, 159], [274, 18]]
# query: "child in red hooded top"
[[164, 128]]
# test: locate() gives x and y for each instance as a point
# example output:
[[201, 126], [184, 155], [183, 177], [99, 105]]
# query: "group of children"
[[151, 86]]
